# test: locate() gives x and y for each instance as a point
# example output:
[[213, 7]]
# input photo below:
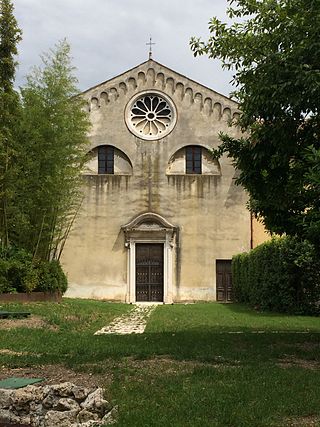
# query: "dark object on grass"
[[14, 383], [13, 314]]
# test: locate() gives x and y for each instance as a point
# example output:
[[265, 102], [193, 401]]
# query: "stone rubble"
[[58, 405], [133, 322]]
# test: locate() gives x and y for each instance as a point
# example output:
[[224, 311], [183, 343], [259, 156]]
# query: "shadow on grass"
[[205, 345], [236, 308], [210, 333]]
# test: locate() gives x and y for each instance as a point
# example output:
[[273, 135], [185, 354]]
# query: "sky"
[[108, 37]]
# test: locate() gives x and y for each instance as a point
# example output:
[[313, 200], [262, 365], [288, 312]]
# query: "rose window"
[[150, 115]]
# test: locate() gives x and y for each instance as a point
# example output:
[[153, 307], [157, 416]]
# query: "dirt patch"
[[308, 346], [12, 352], [311, 421], [100, 374], [290, 362], [28, 322], [304, 346], [55, 374], [158, 365]]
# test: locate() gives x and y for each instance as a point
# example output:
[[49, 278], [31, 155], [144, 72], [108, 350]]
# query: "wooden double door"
[[224, 280], [149, 272]]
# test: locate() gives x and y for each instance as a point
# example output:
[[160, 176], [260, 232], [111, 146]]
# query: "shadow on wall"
[[119, 243], [234, 196]]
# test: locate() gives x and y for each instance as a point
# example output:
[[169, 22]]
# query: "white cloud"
[[109, 36]]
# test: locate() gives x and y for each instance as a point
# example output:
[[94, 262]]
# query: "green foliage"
[[281, 275], [51, 277], [10, 35], [17, 270], [20, 272], [42, 149], [4, 282], [53, 129], [273, 46]]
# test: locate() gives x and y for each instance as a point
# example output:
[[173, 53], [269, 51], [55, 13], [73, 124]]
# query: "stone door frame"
[[150, 228]]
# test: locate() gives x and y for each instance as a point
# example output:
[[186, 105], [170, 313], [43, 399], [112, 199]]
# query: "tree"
[[53, 129], [274, 49], [10, 35]]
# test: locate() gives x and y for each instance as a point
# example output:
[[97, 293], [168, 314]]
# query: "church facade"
[[161, 219]]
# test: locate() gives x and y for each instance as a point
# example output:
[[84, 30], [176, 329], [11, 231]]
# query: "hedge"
[[19, 272], [281, 275]]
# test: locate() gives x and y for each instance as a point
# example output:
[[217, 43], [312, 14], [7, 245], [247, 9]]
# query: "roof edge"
[[118, 75], [164, 66]]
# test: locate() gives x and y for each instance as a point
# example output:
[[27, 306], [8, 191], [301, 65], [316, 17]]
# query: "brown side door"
[[149, 272], [224, 280]]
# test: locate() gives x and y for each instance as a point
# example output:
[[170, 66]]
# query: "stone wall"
[[63, 405]]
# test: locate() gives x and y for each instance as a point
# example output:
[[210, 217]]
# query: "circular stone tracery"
[[150, 115]]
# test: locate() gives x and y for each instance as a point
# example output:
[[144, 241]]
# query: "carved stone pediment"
[[149, 223], [149, 226]]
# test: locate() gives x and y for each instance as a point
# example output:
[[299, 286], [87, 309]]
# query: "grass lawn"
[[196, 365]]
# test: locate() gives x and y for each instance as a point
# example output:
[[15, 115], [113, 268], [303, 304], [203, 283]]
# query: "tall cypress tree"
[[10, 35]]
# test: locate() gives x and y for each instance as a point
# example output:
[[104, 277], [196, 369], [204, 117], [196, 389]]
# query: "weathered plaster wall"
[[208, 209], [259, 233]]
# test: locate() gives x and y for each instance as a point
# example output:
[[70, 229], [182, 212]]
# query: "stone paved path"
[[133, 322]]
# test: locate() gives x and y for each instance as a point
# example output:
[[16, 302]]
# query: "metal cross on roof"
[[150, 47]]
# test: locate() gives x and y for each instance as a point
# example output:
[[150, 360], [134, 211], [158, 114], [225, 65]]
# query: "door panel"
[[224, 280], [149, 272]]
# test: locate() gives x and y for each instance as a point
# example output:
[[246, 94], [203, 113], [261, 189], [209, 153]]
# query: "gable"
[[153, 75]]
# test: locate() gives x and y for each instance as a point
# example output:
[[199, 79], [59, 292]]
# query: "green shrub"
[[51, 277], [19, 272], [4, 282], [280, 275], [18, 267], [30, 279]]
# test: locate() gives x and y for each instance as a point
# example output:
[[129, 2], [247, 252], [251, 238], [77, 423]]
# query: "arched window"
[[108, 160], [193, 160]]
